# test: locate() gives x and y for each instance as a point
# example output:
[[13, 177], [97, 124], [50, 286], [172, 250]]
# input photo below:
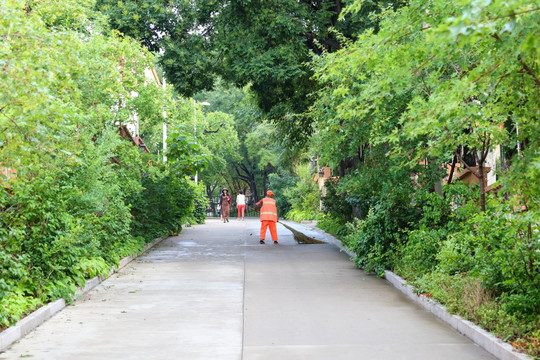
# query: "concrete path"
[[214, 293]]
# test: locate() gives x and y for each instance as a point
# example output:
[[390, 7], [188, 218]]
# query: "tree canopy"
[[429, 84], [267, 44]]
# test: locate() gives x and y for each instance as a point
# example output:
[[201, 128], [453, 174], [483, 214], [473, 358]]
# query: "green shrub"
[[418, 254], [483, 266], [335, 226], [297, 198], [199, 211], [163, 206], [199, 206], [465, 295], [375, 238], [334, 203], [279, 183], [83, 197], [303, 215], [501, 248]]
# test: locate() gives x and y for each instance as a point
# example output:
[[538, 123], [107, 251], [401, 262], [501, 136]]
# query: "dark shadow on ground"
[[302, 238]]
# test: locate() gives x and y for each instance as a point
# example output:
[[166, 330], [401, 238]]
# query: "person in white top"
[[241, 204]]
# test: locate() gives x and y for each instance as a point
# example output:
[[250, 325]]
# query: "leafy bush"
[[500, 248], [304, 197], [375, 238], [417, 255], [332, 225], [303, 215], [334, 203], [163, 206], [483, 266], [82, 197], [200, 202], [466, 296], [279, 183], [419, 247]]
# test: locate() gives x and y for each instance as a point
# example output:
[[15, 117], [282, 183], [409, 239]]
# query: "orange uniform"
[[268, 217]]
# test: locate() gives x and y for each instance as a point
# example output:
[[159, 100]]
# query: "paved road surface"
[[214, 293]]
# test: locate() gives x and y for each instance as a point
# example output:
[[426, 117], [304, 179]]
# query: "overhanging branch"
[[528, 70]]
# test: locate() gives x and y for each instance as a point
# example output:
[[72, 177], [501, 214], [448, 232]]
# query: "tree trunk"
[[265, 182], [253, 189], [210, 190], [482, 187], [452, 169], [479, 161], [246, 174]]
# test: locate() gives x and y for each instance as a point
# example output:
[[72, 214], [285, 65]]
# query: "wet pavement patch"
[[302, 238]]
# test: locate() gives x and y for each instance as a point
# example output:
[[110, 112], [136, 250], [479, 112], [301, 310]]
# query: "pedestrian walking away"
[[268, 216], [224, 202], [241, 204]]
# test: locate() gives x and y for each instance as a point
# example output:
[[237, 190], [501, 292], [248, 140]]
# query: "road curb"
[[39, 316], [479, 336]]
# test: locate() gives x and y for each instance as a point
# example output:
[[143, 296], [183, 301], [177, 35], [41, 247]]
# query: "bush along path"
[[78, 196]]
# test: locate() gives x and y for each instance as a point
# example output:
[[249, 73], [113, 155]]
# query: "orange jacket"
[[268, 209]]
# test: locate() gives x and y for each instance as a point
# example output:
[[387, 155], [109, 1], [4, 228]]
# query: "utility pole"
[[164, 123], [195, 129]]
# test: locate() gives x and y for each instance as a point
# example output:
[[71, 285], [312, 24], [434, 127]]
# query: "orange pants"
[[241, 209], [268, 224]]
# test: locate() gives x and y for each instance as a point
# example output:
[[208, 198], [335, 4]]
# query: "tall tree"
[[256, 154], [429, 83], [267, 44], [217, 134]]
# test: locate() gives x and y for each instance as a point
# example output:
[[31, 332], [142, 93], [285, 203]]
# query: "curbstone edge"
[[479, 336], [39, 316]]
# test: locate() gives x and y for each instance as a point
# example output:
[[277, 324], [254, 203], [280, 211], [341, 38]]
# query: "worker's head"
[[270, 193]]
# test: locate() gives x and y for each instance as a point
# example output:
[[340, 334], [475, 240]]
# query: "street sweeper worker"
[[268, 215]]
